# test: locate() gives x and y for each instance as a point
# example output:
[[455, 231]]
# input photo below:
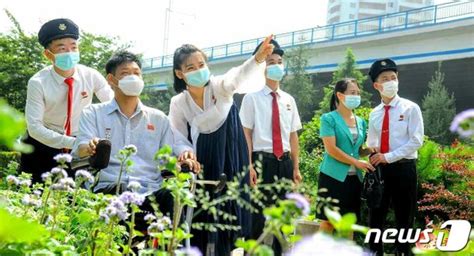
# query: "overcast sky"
[[201, 22]]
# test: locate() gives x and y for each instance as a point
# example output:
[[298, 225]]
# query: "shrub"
[[447, 186], [438, 109]]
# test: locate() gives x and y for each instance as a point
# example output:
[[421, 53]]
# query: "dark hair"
[[180, 56], [341, 86], [120, 58]]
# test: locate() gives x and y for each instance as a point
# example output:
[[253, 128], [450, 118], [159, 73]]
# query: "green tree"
[[347, 69], [438, 109], [158, 99], [299, 84], [96, 50], [21, 56]]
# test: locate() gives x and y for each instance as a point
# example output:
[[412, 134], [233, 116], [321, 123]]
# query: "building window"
[[353, 5], [390, 4], [335, 9], [351, 16], [334, 20], [371, 6]]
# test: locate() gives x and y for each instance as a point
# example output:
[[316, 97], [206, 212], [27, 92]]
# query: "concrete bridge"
[[416, 39]]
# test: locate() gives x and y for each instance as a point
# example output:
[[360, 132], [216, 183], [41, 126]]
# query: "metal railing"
[[357, 28]]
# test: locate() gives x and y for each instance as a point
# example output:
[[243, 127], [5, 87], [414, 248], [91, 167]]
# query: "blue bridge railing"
[[357, 28]]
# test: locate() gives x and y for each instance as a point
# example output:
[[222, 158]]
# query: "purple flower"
[[103, 216], [63, 158], [149, 217], [64, 184], [165, 220], [189, 251], [46, 176], [28, 201], [84, 175], [60, 172], [134, 186], [116, 209], [12, 180], [155, 227], [300, 202], [463, 119], [131, 148], [25, 183], [68, 182], [128, 197]]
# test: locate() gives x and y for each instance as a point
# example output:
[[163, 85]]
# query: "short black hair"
[[180, 56], [119, 58]]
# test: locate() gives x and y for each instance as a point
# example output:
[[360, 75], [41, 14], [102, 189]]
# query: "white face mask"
[[390, 88], [131, 85]]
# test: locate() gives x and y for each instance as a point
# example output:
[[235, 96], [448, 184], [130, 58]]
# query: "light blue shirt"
[[148, 129]]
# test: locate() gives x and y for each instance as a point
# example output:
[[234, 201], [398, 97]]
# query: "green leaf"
[[359, 228], [12, 125], [17, 230], [287, 229], [264, 250], [347, 221], [295, 238], [333, 216]]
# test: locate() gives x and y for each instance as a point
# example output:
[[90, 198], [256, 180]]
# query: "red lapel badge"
[[150, 127]]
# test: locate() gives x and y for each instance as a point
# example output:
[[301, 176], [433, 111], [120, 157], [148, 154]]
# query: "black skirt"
[[223, 151], [347, 192]]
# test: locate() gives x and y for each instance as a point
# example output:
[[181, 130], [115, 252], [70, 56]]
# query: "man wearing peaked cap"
[[380, 66], [270, 119], [57, 29], [396, 133], [56, 96]]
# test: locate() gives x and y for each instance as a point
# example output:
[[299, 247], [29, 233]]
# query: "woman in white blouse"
[[205, 113]]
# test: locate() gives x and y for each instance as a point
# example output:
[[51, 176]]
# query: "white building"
[[346, 10], [366, 12]]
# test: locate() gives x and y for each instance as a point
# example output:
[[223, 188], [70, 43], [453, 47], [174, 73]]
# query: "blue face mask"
[[67, 60], [198, 78], [352, 101], [275, 72]]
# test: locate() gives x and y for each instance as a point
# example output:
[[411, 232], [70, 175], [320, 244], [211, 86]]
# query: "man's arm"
[[102, 89], [247, 118], [87, 137], [34, 112], [295, 152], [294, 142], [253, 174]]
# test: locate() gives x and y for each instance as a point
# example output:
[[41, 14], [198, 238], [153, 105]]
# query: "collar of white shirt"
[[60, 79], [113, 106], [267, 90], [393, 103]]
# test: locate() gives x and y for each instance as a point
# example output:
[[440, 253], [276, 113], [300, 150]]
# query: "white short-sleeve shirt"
[[405, 126], [256, 114]]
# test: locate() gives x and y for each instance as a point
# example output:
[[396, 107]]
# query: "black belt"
[[285, 155], [404, 161]]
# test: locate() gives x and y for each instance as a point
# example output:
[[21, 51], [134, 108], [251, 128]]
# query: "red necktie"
[[67, 127], [385, 141], [276, 131]]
